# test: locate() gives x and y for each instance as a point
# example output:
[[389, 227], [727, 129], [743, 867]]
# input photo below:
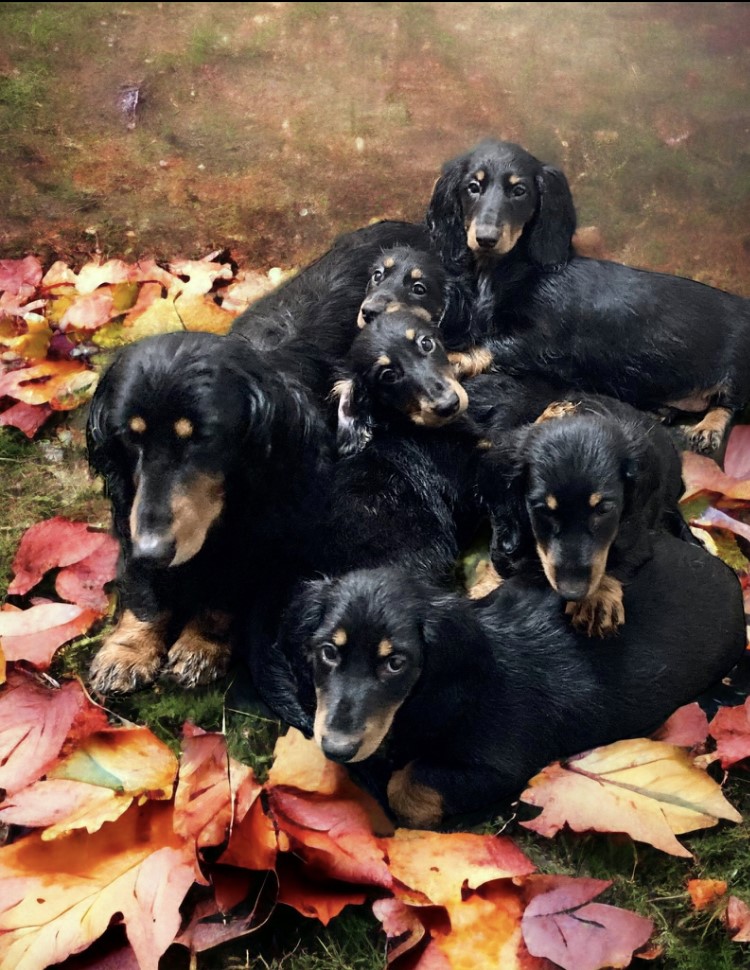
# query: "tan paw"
[[478, 360], [558, 409], [202, 653], [706, 436], [487, 580], [130, 657], [418, 806], [601, 613]]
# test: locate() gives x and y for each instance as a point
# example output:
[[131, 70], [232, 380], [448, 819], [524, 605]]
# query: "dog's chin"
[[429, 419]]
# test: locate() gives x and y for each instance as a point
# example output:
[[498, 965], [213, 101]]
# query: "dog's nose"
[[340, 749], [370, 310], [573, 588], [487, 236], [154, 549], [448, 406]]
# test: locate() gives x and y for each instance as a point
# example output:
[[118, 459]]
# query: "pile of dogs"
[[298, 492]]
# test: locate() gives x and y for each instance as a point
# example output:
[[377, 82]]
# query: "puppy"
[[464, 701], [577, 495], [598, 326], [218, 469]]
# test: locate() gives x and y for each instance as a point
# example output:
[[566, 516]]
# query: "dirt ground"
[[177, 128]]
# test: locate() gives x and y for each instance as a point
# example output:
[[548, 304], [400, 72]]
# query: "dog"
[[577, 495], [218, 469], [654, 340], [460, 702]]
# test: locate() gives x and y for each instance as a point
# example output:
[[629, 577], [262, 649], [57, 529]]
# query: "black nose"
[[448, 406], [573, 588], [487, 236], [341, 750], [370, 310], [154, 549]]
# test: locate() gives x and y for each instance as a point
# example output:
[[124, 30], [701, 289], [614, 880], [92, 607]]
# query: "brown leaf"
[[731, 729], [687, 727], [737, 920], [53, 542], [35, 634], [704, 892], [61, 896], [563, 925], [34, 722], [650, 790]]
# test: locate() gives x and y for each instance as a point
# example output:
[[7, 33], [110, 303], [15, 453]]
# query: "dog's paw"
[[706, 437], [478, 360], [601, 613], [130, 657], [414, 804], [558, 409], [197, 657]]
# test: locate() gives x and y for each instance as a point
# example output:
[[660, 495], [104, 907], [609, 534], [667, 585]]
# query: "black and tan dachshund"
[[654, 340], [218, 468], [577, 495], [461, 702]]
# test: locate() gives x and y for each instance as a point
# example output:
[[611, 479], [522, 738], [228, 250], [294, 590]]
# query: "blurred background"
[[177, 128]]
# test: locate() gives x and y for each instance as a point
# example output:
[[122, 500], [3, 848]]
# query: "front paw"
[[469, 363], [198, 657], [130, 657], [414, 804], [706, 437], [601, 613]]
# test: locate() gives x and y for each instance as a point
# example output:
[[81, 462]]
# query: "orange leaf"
[[705, 892], [737, 919], [40, 383], [35, 634], [687, 727], [320, 900], [53, 542], [731, 729], [253, 839], [58, 897], [28, 418], [439, 866], [59, 806], [202, 314], [89, 312], [34, 722], [650, 790]]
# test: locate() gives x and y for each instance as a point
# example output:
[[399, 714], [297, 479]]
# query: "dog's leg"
[[478, 360], [706, 436], [202, 651], [131, 655], [418, 805], [487, 580], [600, 613]]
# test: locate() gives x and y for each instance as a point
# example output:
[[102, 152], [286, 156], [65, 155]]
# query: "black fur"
[[183, 416], [484, 694], [651, 339]]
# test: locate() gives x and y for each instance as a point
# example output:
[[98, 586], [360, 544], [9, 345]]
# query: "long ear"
[[445, 218], [640, 473], [552, 229], [501, 483], [106, 455], [355, 420], [459, 323]]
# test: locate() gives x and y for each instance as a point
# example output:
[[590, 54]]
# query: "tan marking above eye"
[[339, 637], [137, 424], [410, 334], [594, 499], [416, 273], [515, 179], [393, 307], [383, 360], [389, 263], [183, 427], [480, 175], [385, 648], [551, 502]]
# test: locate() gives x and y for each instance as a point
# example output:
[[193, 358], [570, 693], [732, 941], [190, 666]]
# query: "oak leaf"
[[562, 924], [731, 730], [647, 789]]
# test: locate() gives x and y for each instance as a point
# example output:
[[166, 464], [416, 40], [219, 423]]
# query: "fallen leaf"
[[737, 920], [200, 313], [59, 274], [737, 455], [201, 274], [83, 582], [40, 383], [28, 418], [28, 338], [563, 925], [53, 542], [58, 806], [317, 899], [16, 273], [715, 519], [148, 294], [647, 789], [702, 474], [89, 312], [34, 723], [731, 730], [160, 317], [58, 897], [93, 275], [704, 892], [687, 727], [248, 287], [403, 928], [35, 634]]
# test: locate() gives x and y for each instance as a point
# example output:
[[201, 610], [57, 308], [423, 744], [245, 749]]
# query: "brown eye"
[[474, 188], [427, 344], [387, 375], [329, 654], [394, 664], [377, 276], [603, 508], [518, 191], [419, 288]]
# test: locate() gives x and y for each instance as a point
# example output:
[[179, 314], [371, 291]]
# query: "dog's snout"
[[487, 236], [448, 405], [372, 308], [573, 588], [341, 749], [156, 549]]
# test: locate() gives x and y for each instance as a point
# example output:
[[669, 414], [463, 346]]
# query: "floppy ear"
[[552, 228], [445, 217], [501, 482], [459, 324], [640, 475], [106, 454], [355, 421]]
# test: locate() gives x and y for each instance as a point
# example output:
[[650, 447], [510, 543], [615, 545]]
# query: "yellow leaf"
[[201, 313], [160, 317]]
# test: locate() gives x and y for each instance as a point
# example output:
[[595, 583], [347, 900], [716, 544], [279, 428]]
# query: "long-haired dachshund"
[[651, 339], [218, 469], [463, 701], [577, 494]]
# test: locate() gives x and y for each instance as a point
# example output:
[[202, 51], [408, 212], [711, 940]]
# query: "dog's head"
[[497, 196], [165, 429], [397, 366], [361, 637], [407, 277]]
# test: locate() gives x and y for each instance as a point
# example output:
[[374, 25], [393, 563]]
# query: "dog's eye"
[[329, 654], [427, 344], [419, 288], [474, 188], [387, 375], [377, 276], [518, 191], [394, 664], [603, 508]]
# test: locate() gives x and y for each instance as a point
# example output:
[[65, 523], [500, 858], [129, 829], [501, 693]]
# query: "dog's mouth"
[[429, 413], [573, 586], [349, 747], [488, 239]]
